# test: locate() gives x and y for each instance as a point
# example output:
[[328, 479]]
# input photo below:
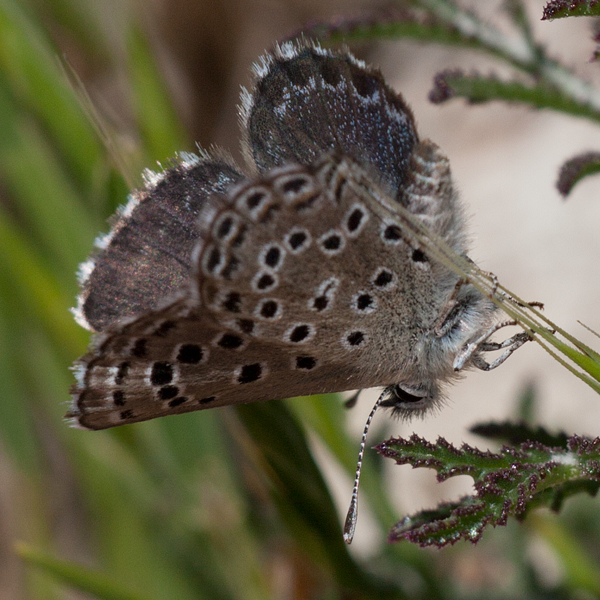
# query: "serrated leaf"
[[559, 9], [476, 89], [401, 24], [507, 484]]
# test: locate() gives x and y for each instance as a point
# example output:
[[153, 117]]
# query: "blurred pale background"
[[505, 161]]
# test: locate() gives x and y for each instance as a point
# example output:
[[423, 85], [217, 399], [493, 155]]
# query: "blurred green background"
[[226, 504]]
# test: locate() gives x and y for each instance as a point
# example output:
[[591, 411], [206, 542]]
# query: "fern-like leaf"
[[507, 484]]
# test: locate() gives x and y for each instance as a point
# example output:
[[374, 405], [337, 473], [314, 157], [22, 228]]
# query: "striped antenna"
[[352, 516]]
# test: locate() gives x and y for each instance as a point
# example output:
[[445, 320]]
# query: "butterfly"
[[292, 276]]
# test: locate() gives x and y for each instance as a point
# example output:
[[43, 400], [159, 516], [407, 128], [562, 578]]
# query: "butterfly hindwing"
[[144, 372], [308, 101]]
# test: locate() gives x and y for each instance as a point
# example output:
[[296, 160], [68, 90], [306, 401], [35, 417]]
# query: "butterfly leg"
[[493, 280], [482, 345], [443, 323], [511, 344]]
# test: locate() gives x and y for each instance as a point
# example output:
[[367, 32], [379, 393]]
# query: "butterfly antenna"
[[352, 516]]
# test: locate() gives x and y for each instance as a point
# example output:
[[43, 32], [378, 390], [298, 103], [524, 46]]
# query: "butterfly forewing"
[[147, 255]]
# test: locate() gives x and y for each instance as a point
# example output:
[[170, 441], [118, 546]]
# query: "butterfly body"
[[216, 288]]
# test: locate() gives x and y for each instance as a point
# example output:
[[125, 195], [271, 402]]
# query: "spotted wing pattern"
[[213, 288], [300, 288]]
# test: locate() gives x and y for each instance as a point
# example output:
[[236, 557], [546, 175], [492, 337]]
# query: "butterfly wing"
[[300, 287], [214, 290], [144, 371], [308, 101], [146, 257]]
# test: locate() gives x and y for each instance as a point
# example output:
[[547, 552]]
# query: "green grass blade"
[[27, 278], [16, 430], [157, 122], [303, 498], [77, 576], [29, 62]]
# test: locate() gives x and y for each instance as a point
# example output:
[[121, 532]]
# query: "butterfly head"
[[458, 337]]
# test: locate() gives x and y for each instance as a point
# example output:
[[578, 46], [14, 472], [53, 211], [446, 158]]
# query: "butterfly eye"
[[407, 398]]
